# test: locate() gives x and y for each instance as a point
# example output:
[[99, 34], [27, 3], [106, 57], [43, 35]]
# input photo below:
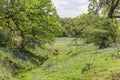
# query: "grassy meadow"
[[71, 62]]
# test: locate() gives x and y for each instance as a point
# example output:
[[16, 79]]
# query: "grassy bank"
[[98, 64], [72, 62]]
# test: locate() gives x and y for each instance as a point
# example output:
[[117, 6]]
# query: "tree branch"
[[116, 16], [114, 5]]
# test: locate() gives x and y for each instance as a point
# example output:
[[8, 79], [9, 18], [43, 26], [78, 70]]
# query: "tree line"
[[99, 26], [31, 23]]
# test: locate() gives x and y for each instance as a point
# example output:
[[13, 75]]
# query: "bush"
[[101, 31]]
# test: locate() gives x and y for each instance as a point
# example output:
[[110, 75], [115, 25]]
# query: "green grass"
[[87, 66], [84, 62]]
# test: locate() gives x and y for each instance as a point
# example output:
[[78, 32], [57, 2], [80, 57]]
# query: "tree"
[[108, 7], [68, 25], [43, 25], [34, 21], [101, 31], [7, 23], [81, 22]]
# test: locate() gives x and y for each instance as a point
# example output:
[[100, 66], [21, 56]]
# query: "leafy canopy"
[[28, 22], [99, 30], [107, 7]]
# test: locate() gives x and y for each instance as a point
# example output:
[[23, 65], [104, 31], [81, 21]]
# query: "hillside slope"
[[86, 63], [71, 62]]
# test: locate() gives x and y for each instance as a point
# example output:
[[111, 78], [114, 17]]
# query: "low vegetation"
[[78, 63], [85, 63]]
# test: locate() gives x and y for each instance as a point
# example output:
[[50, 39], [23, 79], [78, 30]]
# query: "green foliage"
[[68, 25], [107, 8], [25, 24], [98, 30], [38, 56], [43, 26], [34, 21], [13, 62]]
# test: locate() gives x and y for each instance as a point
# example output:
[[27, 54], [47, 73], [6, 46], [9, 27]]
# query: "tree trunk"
[[114, 5]]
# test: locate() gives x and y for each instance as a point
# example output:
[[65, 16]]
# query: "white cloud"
[[70, 8]]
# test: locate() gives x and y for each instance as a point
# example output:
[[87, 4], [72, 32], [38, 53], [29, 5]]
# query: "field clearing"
[[82, 63], [73, 62], [64, 45]]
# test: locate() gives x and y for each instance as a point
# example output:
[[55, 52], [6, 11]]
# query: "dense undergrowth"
[[13, 62], [70, 63]]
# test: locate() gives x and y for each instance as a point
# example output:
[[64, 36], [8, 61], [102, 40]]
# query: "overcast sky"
[[70, 8]]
